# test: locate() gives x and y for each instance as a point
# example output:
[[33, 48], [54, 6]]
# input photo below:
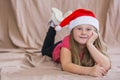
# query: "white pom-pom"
[[58, 28]]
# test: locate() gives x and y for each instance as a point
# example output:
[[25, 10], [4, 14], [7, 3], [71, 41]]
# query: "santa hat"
[[79, 17]]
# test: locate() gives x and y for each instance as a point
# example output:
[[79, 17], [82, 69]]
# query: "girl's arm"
[[67, 65], [99, 58]]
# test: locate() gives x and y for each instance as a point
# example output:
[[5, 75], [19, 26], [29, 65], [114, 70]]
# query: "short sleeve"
[[66, 42]]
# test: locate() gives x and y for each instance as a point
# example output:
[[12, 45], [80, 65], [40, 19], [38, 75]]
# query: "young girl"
[[82, 51]]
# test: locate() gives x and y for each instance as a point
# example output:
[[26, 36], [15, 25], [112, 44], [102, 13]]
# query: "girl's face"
[[82, 33]]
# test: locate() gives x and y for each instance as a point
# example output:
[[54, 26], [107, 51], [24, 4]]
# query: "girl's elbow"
[[107, 67], [64, 68]]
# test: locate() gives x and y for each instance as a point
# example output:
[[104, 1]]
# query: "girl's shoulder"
[[66, 41], [66, 38]]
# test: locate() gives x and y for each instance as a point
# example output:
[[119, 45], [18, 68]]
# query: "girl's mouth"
[[83, 37]]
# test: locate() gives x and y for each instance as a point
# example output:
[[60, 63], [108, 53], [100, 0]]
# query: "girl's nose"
[[83, 31]]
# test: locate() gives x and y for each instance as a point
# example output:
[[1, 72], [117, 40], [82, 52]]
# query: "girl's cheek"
[[90, 34]]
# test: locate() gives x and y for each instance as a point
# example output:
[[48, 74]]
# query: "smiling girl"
[[82, 51]]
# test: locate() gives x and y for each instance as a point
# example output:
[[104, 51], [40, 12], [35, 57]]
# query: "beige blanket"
[[26, 65]]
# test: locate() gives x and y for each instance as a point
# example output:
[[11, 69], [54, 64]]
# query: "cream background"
[[23, 26]]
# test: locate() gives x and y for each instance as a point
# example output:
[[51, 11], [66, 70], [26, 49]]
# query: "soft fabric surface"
[[23, 26], [27, 65]]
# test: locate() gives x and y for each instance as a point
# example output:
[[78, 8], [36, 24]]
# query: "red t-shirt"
[[66, 44]]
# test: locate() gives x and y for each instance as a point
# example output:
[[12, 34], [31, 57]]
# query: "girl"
[[82, 51]]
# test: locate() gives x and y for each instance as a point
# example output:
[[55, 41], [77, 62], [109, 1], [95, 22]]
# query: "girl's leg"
[[48, 44], [48, 51]]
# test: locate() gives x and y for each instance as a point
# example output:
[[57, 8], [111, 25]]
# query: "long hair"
[[87, 59]]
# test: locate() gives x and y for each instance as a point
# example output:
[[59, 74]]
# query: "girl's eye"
[[79, 28], [89, 29]]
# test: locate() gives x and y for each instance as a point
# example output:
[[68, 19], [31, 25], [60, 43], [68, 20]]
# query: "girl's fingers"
[[103, 71]]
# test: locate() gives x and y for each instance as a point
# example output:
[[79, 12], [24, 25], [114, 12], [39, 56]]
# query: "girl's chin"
[[82, 43]]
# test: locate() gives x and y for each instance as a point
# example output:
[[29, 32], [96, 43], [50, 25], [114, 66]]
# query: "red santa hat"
[[79, 17]]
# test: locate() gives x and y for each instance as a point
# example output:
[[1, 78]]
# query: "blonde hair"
[[87, 59]]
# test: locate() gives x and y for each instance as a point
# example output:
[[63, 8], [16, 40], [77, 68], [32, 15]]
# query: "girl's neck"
[[81, 48]]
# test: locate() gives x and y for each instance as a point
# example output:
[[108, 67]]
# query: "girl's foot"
[[55, 17], [51, 23]]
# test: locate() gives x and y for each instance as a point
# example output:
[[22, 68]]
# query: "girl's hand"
[[97, 71], [92, 38]]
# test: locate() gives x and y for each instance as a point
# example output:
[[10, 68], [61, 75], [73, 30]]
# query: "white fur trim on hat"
[[84, 20], [58, 28]]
